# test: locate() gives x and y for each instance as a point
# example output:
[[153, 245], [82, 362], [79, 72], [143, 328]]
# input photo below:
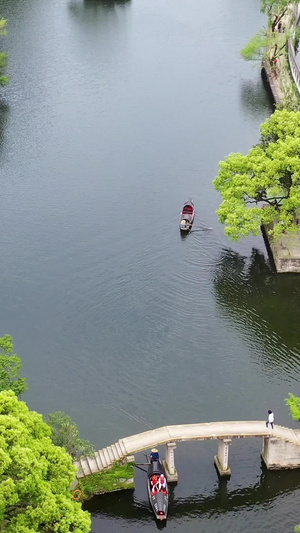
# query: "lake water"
[[116, 113]]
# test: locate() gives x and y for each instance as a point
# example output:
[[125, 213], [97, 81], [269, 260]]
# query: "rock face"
[[284, 252]]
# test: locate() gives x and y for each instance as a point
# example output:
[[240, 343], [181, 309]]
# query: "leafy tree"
[[10, 366], [270, 43], [3, 55], [65, 433], [263, 187], [275, 9], [294, 404], [266, 45], [35, 475]]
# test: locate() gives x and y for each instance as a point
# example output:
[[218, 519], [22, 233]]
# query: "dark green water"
[[116, 113]]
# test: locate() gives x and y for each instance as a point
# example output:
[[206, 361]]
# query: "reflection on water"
[[105, 3], [262, 303], [4, 114], [254, 98], [80, 8], [269, 486]]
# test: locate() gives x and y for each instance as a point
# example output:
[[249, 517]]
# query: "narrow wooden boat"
[[158, 497], [187, 216]]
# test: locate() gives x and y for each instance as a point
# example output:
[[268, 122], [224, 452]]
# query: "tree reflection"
[[255, 98], [96, 8], [262, 304], [4, 113], [105, 3], [100, 6]]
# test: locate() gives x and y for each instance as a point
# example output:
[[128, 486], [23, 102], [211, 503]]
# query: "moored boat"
[[158, 496], [187, 216]]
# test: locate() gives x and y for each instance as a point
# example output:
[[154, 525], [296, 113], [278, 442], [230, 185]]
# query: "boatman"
[[154, 455]]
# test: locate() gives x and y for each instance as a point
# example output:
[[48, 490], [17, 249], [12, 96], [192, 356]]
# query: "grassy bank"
[[119, 477]]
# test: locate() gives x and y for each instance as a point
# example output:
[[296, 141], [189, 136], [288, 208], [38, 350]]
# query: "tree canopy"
[[263, 187], [266, 45], [270, 43], [3, 55], [65, 433], [35, 475], [10, 366], [294, 404], [275, 9]]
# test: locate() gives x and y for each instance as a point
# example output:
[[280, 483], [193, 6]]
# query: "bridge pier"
[[169, 463], [279, 454], [221, 460]]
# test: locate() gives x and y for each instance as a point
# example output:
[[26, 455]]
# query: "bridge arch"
[[281, 445]]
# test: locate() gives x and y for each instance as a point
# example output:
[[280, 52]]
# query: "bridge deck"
[[205, 431], [187, 432]]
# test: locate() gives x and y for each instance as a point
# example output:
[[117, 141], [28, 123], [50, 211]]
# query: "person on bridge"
[[270, 419], [154, 455]]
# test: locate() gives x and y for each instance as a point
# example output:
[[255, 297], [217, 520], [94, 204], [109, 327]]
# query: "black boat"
[[187, 216], [159, 498]]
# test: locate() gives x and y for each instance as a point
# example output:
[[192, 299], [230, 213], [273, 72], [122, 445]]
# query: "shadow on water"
[[255, 98], [4, 114], [109, 4], [83, 7], [270, 485], [262, 302]]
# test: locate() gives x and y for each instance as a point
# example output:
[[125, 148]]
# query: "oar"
[[200, 229], [138, 466]]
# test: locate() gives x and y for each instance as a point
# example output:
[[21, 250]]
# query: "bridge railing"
[[295, 69]]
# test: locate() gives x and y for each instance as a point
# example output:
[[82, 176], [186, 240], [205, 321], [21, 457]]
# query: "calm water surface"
[[118, 111]]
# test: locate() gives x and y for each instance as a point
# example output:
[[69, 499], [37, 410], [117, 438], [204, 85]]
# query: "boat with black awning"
[[158, 490]]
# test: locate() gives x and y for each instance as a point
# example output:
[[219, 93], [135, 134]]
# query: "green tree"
[[65, 433], [35, 475], [294, 404], [10, 366], [266, 45], [275, 9], [263, 187], [3, 55], [270, 43]]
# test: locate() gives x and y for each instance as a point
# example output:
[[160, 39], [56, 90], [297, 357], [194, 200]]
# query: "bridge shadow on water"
[[105, 3], [82, 8], [127, 506], [263, 305]]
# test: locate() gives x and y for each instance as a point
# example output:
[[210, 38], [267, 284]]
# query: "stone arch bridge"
[[280, 449]]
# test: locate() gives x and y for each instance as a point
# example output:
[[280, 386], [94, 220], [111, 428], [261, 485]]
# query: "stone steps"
[[287, 434], [93, 464], [115, 452], [79, 473], [122, 447], [99, 462], [102, 459], [119, 451], [85, 466]]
